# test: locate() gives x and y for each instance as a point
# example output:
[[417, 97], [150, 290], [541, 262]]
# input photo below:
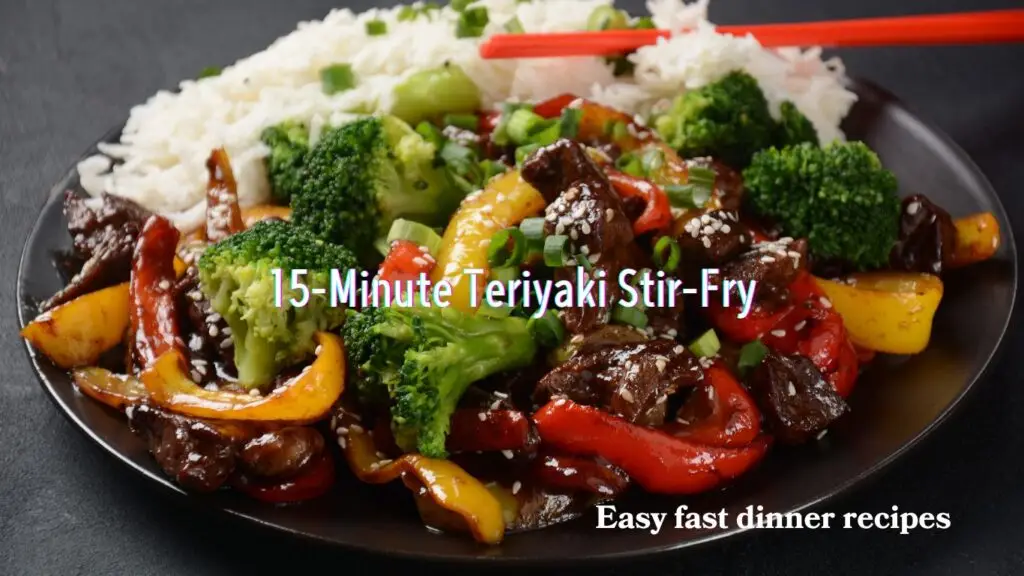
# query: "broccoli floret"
[[363, 175], [289, 144], [793, 127], [422, 359], [839, 197], [727, 119], [236, 275]]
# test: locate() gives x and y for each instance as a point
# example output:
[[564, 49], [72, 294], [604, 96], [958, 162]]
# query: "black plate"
[[894, 406]]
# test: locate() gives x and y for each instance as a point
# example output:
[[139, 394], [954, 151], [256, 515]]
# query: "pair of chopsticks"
[[961, 28]]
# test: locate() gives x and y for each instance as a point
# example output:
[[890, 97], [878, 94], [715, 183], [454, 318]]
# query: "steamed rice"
[[160, 159]]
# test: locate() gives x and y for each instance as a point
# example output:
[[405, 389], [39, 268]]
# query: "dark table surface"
[[71, 69]]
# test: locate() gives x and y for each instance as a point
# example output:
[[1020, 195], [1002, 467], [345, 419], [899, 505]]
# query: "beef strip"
[[630, 380], [774, 265], [201, 455], [796, 400], [104, 231], [927, 237], [207, 335], [583, 206]]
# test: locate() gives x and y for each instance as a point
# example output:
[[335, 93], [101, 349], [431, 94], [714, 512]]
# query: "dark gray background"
[[71, 69]]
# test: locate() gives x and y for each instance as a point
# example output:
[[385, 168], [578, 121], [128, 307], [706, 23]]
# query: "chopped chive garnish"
[[407, 13], [556, 251], [488, 311], [533, 229], [524, 152], [507, 248], [644, 23], [630, 164], [376, 28], [584, 261], [629, 316], [569, 123], [701, 176], [521, 124], [667, 254], [465, 121], [337, 78], [505, 274], [619, 130], [687, 195], [421, 234], [546, 132], [430, 133], [751, 355], [547, 330], [491, 169], [652, 161], [460, 5], [706, 345], [209, 72], [472, 22], [514, 26], [607, 18]]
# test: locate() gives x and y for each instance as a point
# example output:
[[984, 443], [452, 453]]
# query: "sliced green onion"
[[569, 123], [751, 355], [376, 28], [652, 161], [507, 248], [209, 72], [383, 246], [701, 176], [584, 261], [407, 13], [533, 228], [629, 316], [465, 121], [619, 130], [547, 330], [505, 274], [546, 132], [524, 152], [630, 164], [460, 5], [472, 22], [488, 311], [607, 18], [644, 23], [670, 261], [521, 125], [337, 78], [621, 66], [500, 135], [421, 234], [491, 169], [514, 26], [556, 251], [431, 134], [687, 195], [706, 345]]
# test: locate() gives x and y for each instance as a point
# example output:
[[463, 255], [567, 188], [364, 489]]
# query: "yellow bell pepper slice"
[[889, 312], [448, 485], [76, 333], [114, 390], [506, 201], [306, 398]]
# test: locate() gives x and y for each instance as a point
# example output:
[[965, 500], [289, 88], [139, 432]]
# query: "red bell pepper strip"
[[845, 374], [223, 216], [759, 321], [489, 120], [657, 214], [314, 481], [578, 474], [497, 430], [720, 413], [153, 316], [405, 262], [552, 107], [659, 462]]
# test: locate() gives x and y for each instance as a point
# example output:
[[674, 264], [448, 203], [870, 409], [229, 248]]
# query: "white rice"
[[160, 159]]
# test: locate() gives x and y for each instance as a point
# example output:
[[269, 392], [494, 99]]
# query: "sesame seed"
[[825, 302], [726, 229], [195, 296], [212, 387], [559, 228], [678, 349], [560, 401], [195, 376], [213, 317], [705, 219], [584, 249], [574, 234], [822, 434], [482, 416], [913, 207], [496, 404], [420, 261], [341, 431], [585, 227], [164, 285], [357, 428], [500, 394], [660, 364], [381, 455], [791, 389], [226, 331], [627, 395], [800, 325], [384, 462], [609, 215], [213, 331], [767, 259], [594, 258], [778, 333], [508, 454], [708, 230], [516, 486], [707, 242], [225, 345], [342, 443]]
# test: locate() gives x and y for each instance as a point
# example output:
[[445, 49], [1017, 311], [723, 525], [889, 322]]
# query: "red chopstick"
[[961, 28]]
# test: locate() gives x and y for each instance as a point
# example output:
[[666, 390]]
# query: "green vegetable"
[[376, 28], [289, 144], [630, 316], [670, 261], [569, 123], [840, 198], [751, 355], [507, 248], [525, 151], [794, 128], [235, 274], [472, 22], [460, 5], [414, 232], [548, 329], [421, 360], [706, 345], [500, 135], [337, 78], [514, 26], [209, 72], [687, 195], [362, 176], [630, 164], [556, 251], [607, 18], [433, 92], [521, 125], [644, 23], [727, 119], [469, 122]]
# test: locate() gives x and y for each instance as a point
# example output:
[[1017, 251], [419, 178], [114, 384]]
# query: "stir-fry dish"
[[499, 418]]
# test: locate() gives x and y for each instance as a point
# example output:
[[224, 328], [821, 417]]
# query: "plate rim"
[[863, 87]]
